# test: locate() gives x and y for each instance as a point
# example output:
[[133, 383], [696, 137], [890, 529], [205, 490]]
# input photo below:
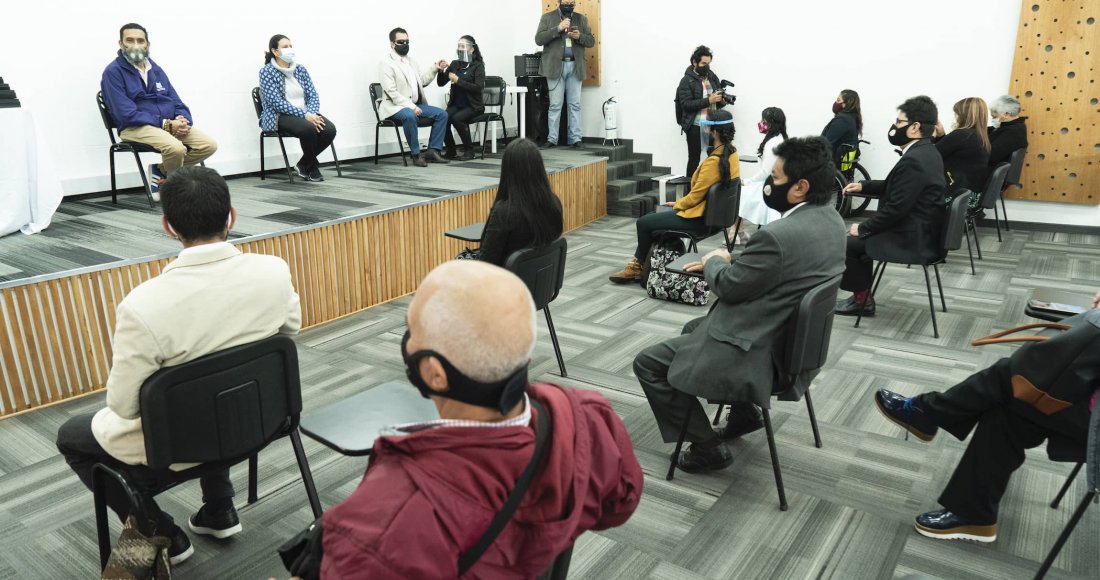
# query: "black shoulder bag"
[[302, 554]]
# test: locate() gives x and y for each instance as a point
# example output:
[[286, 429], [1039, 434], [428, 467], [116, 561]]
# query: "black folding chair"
[[543, 271], [805, 352], [257, 102], [1016, 168], [993, 189], [493, 96], [375, 99], [218, 410], [720, 214], [118, 146], [1092, 460], [958, 226]]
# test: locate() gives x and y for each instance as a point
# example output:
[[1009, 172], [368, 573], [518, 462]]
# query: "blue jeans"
[[409, 122], [566, 88]]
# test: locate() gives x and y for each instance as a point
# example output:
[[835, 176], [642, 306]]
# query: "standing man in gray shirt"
[[563, 35]]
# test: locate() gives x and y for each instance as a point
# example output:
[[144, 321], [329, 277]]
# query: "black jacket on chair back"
[[908, 226]]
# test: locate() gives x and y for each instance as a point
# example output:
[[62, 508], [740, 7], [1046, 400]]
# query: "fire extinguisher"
[[610, 122]]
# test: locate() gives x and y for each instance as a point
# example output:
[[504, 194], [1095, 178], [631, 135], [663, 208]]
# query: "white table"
[[30, 190]]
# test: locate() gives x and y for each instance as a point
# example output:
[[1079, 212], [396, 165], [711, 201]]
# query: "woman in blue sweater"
[[291, 105]]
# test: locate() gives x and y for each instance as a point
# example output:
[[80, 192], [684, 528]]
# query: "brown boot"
[[631, 273]]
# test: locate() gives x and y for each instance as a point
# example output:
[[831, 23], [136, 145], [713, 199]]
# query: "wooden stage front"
[[56, 328]]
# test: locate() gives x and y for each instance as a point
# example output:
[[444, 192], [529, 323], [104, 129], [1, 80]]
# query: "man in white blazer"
[[212, 297], [403, 98]]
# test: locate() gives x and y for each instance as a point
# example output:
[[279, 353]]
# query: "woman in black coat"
[[1009, 131], [525, 213], [467, 77], [965, 150], [846, 125]]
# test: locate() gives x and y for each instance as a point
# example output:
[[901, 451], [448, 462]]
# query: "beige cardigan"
[[212, 297], [395, 87]]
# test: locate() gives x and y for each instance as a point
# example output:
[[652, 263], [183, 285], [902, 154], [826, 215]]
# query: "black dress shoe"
[[419, 161], [944, 525], [577, 145], [741, 420], [450, 154], [548, 145], [180, 547], [219, 525], [697, 459], [850, 307], [468, 154], [433, 156], [902, 412]]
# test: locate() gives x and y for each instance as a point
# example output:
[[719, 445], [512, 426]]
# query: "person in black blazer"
[[1009, 130], [525, 213], [467, 77], [699, 91], [908, 224], [965, 150]]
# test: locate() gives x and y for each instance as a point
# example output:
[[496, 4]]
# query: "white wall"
[[795, 54], [213, 51]]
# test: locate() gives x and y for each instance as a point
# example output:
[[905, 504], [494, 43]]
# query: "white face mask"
[[996, 122], [287, 54]]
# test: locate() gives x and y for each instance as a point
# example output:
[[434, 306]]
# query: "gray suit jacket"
[[553, 47], [734, 352]]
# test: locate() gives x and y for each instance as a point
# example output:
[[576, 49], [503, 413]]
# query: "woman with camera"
[[686, 215], [699, 92]]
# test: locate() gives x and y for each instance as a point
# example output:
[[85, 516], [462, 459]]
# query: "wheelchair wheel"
[[841, 202], [857, 206]]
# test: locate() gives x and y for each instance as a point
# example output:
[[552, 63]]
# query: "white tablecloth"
[[30, 190]]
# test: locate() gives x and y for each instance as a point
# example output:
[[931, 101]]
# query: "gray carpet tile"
[[851, 502]]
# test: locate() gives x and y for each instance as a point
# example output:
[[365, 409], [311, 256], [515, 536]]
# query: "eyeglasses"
[[900, 121]]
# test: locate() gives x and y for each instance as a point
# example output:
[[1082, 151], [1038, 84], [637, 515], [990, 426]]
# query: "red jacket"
[[428, 496]]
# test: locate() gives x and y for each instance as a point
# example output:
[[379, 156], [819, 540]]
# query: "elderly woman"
[[1008, 132]]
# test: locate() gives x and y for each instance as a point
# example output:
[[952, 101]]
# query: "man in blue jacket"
[[146, 108]]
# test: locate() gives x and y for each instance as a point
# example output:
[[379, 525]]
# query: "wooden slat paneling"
[[55, 336]]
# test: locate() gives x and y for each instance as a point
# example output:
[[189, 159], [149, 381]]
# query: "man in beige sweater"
[[212, 297]]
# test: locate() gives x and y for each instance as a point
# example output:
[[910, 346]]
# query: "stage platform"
[[352, 242]]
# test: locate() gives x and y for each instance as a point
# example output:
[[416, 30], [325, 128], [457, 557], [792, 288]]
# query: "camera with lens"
[[728, 97]]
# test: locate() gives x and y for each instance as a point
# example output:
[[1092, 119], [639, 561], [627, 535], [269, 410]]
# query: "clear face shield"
[[464, 51]]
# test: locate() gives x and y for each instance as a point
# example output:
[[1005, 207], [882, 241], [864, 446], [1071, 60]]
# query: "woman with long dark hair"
[[773, 124], [846, 125], [965, 151], [467, 77], [291, 105], [526, 213], [686, 214]]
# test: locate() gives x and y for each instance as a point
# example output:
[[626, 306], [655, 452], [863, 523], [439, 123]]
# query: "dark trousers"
[[1003, 429], [663, 220], [313, 142], [459, 118], [81, 450], [670, 406], [858, 266], [695, 149]]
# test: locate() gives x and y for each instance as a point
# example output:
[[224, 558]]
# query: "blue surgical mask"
[[287, 54]]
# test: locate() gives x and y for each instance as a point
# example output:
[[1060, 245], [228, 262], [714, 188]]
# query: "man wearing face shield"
[[563, 35], [907, 227], [432, 488], [146, 108], [467, 77]]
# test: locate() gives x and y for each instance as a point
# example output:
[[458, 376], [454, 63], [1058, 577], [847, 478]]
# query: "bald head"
[[479, 316]]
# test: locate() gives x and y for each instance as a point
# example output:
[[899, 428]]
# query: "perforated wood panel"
[[591, 11], [1054, 75]]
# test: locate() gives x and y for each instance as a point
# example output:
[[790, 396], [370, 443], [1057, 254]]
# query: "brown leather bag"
[[1054, 371]]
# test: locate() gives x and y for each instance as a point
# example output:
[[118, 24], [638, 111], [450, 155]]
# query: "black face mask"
[[401, 49], [566, 9], [775, 196], [897, 135], [702, 70], [502, 396]]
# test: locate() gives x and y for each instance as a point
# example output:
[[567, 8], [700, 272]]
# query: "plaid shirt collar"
[[521, 420]]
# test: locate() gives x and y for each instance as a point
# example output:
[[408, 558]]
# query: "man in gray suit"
[[732, 352], [563, 35]]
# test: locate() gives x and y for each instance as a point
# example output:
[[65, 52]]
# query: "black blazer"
[[505, 233], [471, 80], [1005, 139], [908, 226], [842, 130], [689, 96], [964, 158]]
